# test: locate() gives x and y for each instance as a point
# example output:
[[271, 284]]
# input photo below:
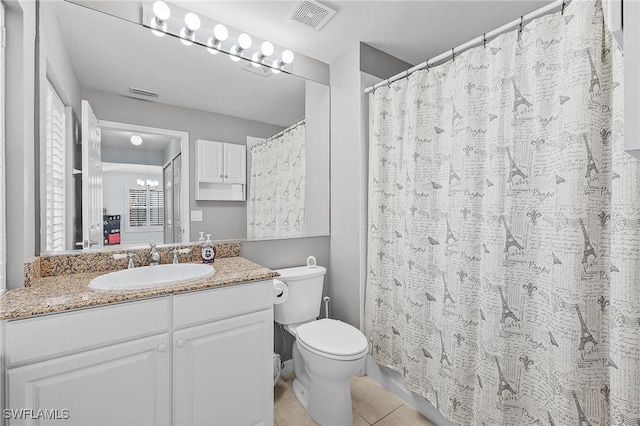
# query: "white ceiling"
[[113, 138], [410, 30]]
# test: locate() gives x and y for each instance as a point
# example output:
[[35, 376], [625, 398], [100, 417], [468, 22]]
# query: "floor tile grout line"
[[387, 415]]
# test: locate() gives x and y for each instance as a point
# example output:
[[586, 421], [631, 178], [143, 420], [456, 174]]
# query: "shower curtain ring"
[[564, 4], [427, 66], [453, 54], [484, 40], [389, 83]]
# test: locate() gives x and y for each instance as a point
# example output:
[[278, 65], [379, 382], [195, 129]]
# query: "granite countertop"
[[66, 292]]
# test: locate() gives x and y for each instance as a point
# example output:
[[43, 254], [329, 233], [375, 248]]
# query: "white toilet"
[[326, 352]]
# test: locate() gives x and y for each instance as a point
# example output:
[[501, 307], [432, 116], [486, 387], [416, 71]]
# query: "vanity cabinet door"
[[235, 163], [122, 384], [210, 161], [223, 372]]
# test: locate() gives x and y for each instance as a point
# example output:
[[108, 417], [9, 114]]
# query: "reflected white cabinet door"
[[123, 384], [210, 161], [223, 372], [235, 167]]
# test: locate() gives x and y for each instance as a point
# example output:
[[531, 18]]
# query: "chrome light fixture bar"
[[163, 18]]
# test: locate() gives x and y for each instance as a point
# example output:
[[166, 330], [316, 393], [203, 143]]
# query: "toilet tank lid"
[[300, 273]]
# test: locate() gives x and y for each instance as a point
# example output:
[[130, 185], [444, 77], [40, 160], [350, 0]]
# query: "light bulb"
[[158, 23], [220, 32], [235, 56], [136, 140], [256, 59], [192, 21], [287, 56], [140, 182], [213, 45], [266, 49], [186, 37], [276, 66], [244, 41], [162, 11]]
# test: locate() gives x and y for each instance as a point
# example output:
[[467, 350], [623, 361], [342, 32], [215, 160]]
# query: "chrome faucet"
[[175, 253], [130, 265], [154, 256]]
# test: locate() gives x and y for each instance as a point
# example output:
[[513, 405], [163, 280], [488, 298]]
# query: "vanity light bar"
[[163, 18]]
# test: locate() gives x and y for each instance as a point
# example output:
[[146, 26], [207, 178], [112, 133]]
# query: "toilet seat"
[[332, 339]]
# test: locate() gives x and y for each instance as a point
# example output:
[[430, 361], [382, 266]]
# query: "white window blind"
[[145, 209], [54, 169], [3, 215]]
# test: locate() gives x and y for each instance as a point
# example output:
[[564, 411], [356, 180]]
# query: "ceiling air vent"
[[261, 71], [142, 92], [311, 14]]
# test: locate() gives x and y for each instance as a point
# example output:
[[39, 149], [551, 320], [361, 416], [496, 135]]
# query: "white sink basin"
[[151, 276]]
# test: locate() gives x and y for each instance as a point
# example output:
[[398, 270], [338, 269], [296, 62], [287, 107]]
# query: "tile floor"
[[372, 405]]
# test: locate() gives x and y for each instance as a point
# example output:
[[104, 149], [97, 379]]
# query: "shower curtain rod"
[[558, 4], [293, 126], [288, 129]]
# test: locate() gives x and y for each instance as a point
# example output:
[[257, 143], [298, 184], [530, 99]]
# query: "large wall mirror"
[[121, 111]]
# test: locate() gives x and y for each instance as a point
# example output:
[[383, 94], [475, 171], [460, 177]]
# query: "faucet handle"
[[153, 245], [175, 253]]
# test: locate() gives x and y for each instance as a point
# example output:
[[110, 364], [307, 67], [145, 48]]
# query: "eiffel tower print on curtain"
[[514, 170], [582, 418], [503, 384], [518, 99], [595, 80], [510, 240], [588, 248], [585, 334], [591, 164]]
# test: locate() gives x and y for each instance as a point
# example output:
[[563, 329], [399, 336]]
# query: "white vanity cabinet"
[[221, 170], [190, 359], [106, 366], [223, 356]]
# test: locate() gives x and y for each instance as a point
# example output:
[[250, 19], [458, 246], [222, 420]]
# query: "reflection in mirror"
[[137, 83]]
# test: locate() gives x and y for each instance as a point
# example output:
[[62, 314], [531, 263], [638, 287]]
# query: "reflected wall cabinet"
[[221, 170]]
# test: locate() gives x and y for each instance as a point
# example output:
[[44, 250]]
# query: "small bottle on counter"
[[208, 250]]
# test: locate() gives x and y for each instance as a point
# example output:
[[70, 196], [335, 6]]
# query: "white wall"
[[345, 187], [20, 146]]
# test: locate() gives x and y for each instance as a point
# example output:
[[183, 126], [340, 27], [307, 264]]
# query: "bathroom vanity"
[[199, 354]]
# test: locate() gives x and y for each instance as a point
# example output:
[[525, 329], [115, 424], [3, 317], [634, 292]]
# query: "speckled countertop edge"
[[48, 295]]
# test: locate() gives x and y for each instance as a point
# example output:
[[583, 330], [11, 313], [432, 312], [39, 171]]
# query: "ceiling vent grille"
[[311, 14], [261, 71], [142, 92]]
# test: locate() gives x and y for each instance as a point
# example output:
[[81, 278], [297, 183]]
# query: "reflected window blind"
[[146, 208], [3, 225], [54, 171]]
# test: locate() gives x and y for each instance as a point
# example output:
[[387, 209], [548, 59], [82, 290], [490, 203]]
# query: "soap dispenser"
[[208, 250]]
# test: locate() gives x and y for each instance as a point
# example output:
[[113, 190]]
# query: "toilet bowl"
[[326, 352]]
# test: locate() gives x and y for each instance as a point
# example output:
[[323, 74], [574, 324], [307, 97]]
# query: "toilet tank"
[[305, 294]]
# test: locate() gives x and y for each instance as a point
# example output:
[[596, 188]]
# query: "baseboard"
[[391, 381], [287, 367]]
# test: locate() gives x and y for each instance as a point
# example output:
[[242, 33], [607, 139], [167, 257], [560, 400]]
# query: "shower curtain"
[[504, 230], [277, 186]]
